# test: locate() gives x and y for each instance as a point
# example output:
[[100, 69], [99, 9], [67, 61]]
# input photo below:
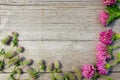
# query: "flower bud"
[[20, 49], [19, 71], [59, 77], [16, 34], [57, 64], [27, 62], [32, 73], [10, 54], [50, 67], [13, 60], [42, 68], [52, 77], [41, 62], [7, 40], [107, 66], [2, 65], [2, 51]]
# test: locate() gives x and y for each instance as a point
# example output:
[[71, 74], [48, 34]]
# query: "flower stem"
[[115, 62], [116, 47], [106, 77], [96, 75]]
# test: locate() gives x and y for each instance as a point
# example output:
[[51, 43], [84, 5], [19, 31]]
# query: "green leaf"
[[113, 11], [12, 75], [118, 1], [19, 73], [2, 51], [19, 63], [116, 36], [15, 41], [2, 65]]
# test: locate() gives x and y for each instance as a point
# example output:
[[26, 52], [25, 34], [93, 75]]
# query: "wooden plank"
[[67, 52], [50, 24], [65, 30], [114, 76], [39, 2]]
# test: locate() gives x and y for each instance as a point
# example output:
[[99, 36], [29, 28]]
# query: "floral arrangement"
[[110, 13], [11, 58]]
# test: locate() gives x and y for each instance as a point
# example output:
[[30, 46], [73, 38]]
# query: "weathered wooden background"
[[65, 30]]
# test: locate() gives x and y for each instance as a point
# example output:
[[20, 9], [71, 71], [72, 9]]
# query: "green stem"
[[106, 77], [116, 47], [95, 77], [115, 62]]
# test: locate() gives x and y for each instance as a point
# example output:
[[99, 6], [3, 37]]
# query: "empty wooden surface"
[[65, 30]]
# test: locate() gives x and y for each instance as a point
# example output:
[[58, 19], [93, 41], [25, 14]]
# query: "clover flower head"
[[103, 17], [88, 71], [106, 37], [101, 67], [109, 2]]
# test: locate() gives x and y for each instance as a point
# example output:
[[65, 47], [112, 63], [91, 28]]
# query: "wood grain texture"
[[65, 30], [46, 76]]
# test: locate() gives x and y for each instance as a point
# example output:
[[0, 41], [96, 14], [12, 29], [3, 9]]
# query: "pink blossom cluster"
[[88, 71], [106, 37], [101, 67], [102, 51], [109, 2], [103, 17], [102, 54]]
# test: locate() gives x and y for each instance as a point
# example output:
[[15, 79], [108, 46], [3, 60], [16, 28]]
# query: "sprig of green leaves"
[[2, 51], [113, 11], [2, 65], [12, 75], [32, 73], [118, 1]]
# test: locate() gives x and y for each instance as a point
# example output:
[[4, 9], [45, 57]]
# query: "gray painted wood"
[[47, 76], [65, 30]]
